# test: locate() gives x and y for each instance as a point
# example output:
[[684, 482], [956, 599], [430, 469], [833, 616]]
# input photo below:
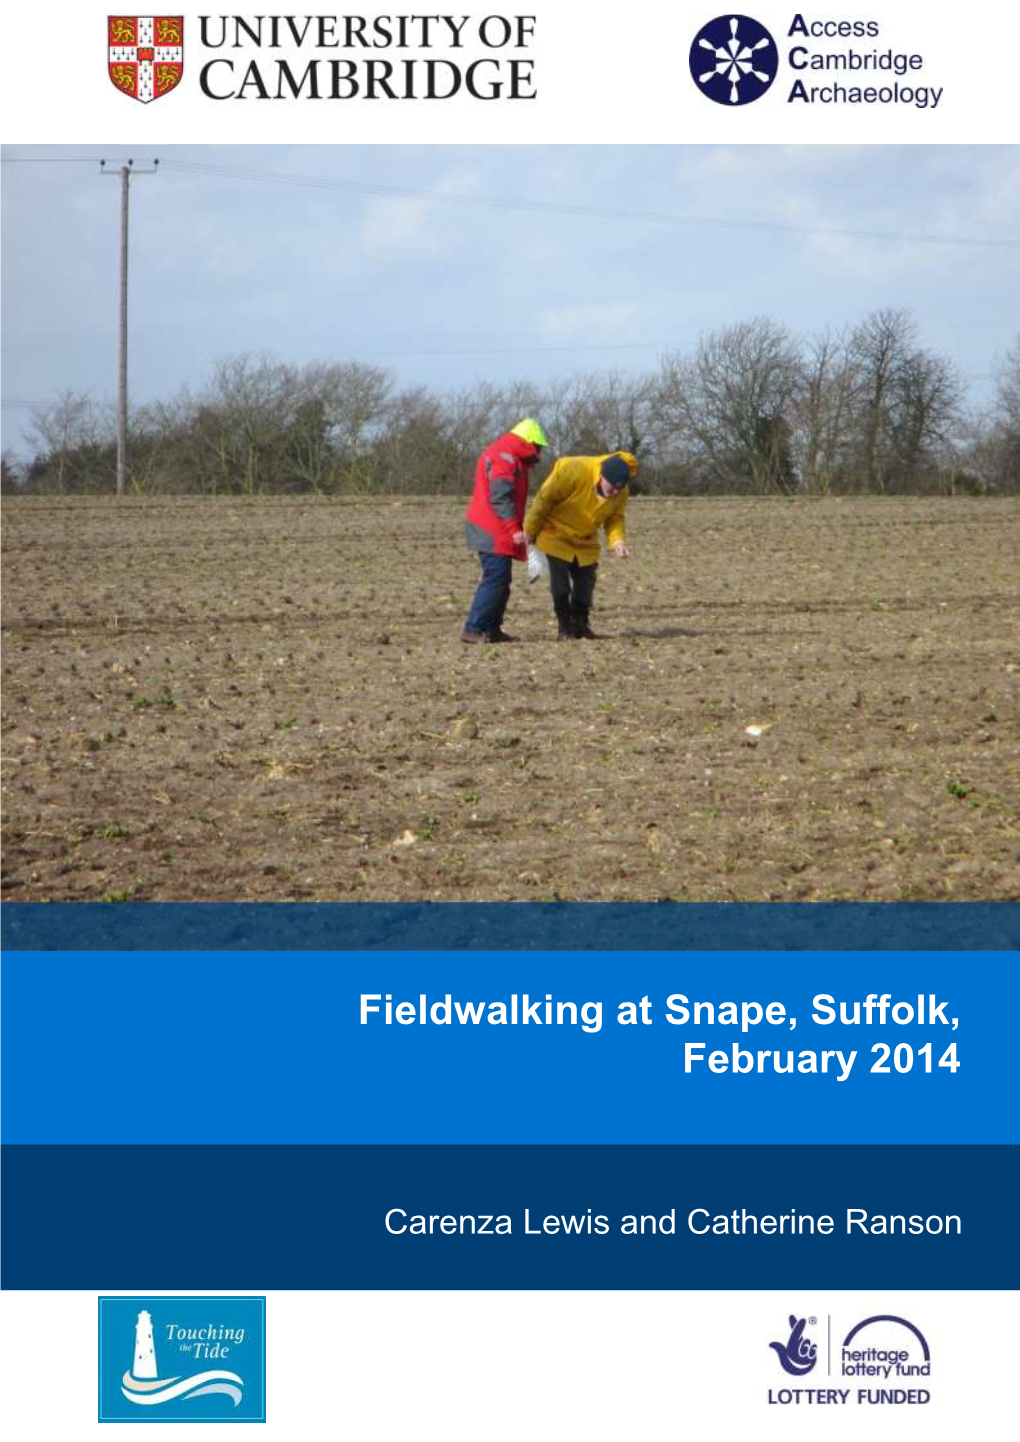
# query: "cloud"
[[393, 224], [601, 322], [222, 263]]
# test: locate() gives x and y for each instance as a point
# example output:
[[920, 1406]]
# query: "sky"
[[453, 264]]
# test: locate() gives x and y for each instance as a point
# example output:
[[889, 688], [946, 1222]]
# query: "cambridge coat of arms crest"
[[145, 54]]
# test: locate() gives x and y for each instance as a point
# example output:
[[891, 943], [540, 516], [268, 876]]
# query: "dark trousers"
[[572, 586], [489, 604]]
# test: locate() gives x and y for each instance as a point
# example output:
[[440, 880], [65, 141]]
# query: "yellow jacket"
[[565, 516]]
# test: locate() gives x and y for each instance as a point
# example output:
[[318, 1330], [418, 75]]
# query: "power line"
[[51, 159], [559, 208], [594, 212]]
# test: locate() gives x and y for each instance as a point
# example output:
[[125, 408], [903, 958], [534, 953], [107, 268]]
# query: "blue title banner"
[[438, 1047]]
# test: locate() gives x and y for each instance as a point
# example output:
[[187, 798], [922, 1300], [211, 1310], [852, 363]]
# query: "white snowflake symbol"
[[734, 62]]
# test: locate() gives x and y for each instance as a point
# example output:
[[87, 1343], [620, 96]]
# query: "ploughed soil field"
[[224, 700]]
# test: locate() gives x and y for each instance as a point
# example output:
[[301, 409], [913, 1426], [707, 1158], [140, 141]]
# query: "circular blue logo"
[[733, 60]]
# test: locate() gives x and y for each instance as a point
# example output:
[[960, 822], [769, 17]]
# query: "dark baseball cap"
[[615, 470]]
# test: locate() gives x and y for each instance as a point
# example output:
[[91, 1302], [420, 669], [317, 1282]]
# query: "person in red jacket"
[[494, 525]]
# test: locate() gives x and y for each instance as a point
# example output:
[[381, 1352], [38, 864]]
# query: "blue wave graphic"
[[169, 1389]]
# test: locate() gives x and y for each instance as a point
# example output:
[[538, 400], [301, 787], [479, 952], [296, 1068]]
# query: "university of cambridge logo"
[[145, 54]]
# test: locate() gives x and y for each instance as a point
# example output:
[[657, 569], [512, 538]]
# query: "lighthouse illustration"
[[144, 1365], [146, 1388]]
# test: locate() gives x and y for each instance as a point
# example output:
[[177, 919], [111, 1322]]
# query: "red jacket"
[[500, 497]]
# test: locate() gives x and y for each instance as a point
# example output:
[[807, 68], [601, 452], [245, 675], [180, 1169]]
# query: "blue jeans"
[[489, 604]]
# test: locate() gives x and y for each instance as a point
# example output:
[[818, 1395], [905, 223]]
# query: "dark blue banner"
[[699, 1217], [510, 926]]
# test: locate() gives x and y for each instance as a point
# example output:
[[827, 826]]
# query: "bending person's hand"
[[620, 549]]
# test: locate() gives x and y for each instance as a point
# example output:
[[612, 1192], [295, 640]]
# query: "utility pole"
[[125, 172]]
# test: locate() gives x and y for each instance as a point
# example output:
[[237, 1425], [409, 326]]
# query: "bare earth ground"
[[218, 700]]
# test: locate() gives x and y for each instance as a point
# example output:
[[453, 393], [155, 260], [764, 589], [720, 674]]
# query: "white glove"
[[538, 566]]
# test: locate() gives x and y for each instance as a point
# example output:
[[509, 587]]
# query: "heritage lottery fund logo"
[[182, 1359], [326, 57], [734, 60], [881, 1361]]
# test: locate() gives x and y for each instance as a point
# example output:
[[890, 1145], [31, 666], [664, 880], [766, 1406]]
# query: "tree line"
[[751, 409]]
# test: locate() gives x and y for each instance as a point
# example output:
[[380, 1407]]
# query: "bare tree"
[[356, 398], [925, 405], [747, 411], [879, 347], [11, 474], [1007, 386], [310, 420], [907, 402], [823, 412], [725, 410], [239, 421], [592, 413], [1004, 437], [477, 414], [416, 451], [71, 436]]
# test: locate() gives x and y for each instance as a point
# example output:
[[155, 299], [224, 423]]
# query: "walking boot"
[[475, 638], [499, 636], [565, 623], [582, 630]]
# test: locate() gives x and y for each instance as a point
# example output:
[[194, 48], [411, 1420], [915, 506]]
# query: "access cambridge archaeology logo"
[[182, 1359], [881, 1361], [734, 60], [145, 54]]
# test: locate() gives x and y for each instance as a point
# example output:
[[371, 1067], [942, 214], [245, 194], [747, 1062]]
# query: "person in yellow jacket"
[[580, 495]]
